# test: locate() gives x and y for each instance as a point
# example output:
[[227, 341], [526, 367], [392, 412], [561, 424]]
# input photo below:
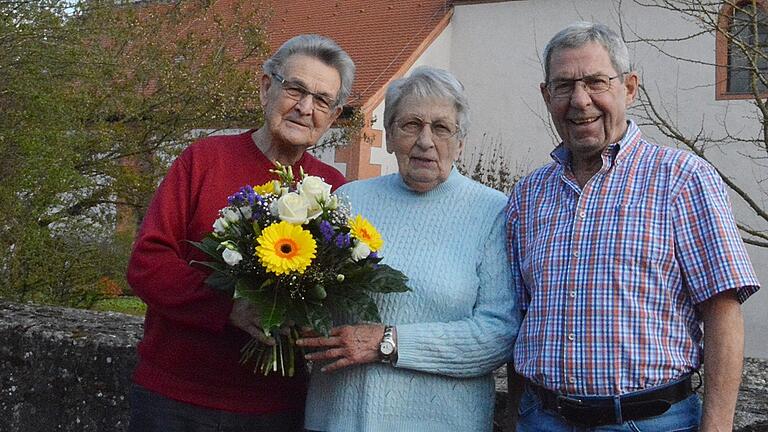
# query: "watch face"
[[386, 348]]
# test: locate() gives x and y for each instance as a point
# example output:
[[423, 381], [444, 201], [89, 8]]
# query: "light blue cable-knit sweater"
[[456, 325]]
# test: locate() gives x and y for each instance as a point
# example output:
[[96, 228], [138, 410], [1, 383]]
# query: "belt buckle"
[[560, 398]]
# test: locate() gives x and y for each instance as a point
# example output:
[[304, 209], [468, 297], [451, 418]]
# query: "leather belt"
[[600, 411]]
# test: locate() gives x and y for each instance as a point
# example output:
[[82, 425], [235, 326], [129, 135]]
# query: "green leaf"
[[256, 229], [273, 313], [221, 281], [319, 318], [318, 292], [209, 246], [358, 304], [271, 306], [216, 266], [381, 278]]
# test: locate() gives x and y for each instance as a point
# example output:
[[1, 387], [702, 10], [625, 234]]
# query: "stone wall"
[[69, 370], [65, 369]]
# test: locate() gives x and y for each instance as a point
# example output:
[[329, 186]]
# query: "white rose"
[[332, 203], [292, 208], [314, 189], [314, 211], [220, 226], [231, 257], [360, 251], [230, 215]]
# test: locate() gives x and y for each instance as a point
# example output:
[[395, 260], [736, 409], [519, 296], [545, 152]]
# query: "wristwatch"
[[388, 347]]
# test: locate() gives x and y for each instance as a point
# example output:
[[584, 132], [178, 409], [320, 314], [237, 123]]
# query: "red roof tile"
[[384, 38]]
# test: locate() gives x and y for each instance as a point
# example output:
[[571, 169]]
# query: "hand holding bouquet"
[[293, 250]]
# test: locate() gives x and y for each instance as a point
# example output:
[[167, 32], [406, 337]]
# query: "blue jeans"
[[152, 412], [683, 416]]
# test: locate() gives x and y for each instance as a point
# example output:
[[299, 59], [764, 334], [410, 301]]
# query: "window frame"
[[722, 51]]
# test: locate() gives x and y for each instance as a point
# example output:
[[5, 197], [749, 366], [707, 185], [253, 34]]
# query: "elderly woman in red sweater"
[[188, 376]]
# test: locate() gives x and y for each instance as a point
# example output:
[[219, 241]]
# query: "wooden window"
[[742, 50]]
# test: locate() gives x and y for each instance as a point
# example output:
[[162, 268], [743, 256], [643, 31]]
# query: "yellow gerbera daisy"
[[267, 188], [362, 230], [285, 247]]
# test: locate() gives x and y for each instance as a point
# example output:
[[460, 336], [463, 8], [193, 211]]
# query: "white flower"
[[246, 212], [317, 193], [231, 257], [220, 226], [230, 214], [314, 189], [292, 208], [360, 251], [332, 203]]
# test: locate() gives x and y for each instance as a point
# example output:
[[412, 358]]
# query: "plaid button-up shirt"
[[609, 276]]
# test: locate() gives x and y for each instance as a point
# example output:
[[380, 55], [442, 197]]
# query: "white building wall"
[[495, 52], [438, 54], [328, 154]]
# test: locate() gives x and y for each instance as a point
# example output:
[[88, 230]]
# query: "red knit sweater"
[[189, 351]]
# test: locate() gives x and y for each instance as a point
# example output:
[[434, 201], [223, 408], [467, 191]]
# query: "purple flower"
[[326, 229], [246, 195], [343, 241]]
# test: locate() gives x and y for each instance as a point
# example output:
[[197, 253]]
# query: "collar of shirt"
[[613, 153]]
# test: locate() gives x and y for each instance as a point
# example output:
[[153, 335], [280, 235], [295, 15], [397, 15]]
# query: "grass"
[[126, 304]]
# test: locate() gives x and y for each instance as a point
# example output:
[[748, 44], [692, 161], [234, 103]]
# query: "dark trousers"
[[152, 412]]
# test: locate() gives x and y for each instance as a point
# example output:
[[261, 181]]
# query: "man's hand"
[[348, 345], [723, 360], [246, 316]]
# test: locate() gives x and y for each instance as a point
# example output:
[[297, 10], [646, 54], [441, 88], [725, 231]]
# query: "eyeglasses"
[[440, 130], [297, 92], [593, 84]]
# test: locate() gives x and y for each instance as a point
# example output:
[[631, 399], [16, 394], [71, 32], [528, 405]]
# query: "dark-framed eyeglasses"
[[296, 91], [593, 84], [440, 129]]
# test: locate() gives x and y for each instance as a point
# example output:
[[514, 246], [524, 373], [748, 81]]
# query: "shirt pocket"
[[641, 235]]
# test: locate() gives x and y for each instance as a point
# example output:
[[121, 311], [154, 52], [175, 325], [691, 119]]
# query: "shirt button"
[[576, 254], [571, 380], [572, 293], [582, 215], [571, 336]]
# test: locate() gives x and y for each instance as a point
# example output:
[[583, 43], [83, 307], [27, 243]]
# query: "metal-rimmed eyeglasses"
[[297, 92], [593, 84], [440, 129]]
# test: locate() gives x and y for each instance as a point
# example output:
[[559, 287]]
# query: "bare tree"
[[740, 27]]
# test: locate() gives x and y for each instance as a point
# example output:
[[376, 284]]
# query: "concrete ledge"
[[65, 369], [69, 370]]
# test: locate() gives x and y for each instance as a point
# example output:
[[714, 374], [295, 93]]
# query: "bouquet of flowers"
[[293, 249]]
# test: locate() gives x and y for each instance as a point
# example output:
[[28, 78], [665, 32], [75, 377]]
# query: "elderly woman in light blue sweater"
[[428, 367]]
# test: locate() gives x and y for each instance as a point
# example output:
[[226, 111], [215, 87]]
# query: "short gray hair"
[[581, 33], [425, 82], [321, 48]]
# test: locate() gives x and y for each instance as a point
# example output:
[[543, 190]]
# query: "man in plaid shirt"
[[621, 251]]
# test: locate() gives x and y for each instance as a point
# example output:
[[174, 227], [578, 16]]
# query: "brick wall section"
[[69, 370]]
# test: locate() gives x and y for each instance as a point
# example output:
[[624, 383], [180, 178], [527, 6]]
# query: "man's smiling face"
[[587, 124]]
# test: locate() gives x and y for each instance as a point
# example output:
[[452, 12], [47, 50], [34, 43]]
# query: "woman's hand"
[[348, 345]]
